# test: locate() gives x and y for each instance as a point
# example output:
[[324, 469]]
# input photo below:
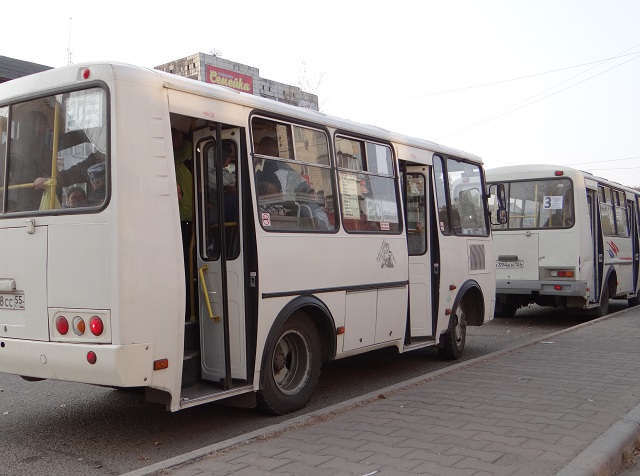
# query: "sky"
[[513, 81]]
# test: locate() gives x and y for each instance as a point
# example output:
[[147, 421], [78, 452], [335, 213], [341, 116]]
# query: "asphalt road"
[[58, 428]]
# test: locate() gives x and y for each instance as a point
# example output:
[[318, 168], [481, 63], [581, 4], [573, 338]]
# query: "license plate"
[[11, 301], [509, 264]]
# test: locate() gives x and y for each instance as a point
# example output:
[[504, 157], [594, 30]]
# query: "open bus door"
[[219, 262], [421, 270], [598, 245], [635, 244]]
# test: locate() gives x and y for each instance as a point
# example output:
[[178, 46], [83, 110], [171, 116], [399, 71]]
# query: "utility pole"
[[69, 47]]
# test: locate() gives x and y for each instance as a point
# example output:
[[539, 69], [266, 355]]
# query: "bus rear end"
[[539, 252], [56, 292]]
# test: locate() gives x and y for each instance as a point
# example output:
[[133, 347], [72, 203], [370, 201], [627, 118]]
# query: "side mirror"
[[499, 196], [502, 217]]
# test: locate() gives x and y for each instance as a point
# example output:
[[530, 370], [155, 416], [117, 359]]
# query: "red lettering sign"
[[231, 79]]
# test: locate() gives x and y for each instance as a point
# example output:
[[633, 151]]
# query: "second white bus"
[[571, 240]]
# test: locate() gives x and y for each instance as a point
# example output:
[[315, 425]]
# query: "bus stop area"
[[567, 404]]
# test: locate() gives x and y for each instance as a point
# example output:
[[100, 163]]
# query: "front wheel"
[[292, 369], [452, 343]]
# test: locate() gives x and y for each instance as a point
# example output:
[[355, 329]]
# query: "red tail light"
[[62, 325], [96, 325]]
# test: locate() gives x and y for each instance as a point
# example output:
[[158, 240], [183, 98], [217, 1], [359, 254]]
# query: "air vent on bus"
[[476, 257]]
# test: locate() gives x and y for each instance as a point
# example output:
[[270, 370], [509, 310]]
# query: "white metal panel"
[[24, 260], [519, 253], [78, 266], [391, 321], [360, 322]]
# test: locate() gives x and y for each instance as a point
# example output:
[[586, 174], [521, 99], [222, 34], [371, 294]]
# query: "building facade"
[[213, 69], [11, 68]]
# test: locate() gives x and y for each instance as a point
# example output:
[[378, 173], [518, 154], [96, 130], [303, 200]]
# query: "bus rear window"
[[540, 204], [55, 153]]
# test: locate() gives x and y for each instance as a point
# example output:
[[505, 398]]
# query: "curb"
[[607, 453], [162, 467]]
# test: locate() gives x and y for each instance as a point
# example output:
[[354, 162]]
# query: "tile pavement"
[[568, 404]]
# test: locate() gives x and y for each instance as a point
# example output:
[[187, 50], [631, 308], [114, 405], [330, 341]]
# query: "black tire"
[[452, 343], [292, 367], [603, 309], [505, 310], [633, 301]]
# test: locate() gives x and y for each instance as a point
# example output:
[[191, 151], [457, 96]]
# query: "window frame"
[[448, 228], [5, 164], [364, 162], [293, 129]]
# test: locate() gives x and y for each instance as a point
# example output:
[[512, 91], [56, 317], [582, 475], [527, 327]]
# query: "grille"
[[476, 257]]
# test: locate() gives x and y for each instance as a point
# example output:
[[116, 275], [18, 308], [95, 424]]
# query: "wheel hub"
[[279, 359]]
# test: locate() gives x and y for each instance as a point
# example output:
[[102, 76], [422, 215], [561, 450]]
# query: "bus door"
[[220, 270], [633, 230], [597, 244], [417, 186]]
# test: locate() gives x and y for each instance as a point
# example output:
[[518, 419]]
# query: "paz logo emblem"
[[385, 256]]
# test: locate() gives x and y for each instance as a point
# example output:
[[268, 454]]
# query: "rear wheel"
[[292, 368], [452, 343], [505, 310]]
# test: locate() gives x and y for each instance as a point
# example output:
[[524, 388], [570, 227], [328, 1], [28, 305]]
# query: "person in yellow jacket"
[[182, 150]]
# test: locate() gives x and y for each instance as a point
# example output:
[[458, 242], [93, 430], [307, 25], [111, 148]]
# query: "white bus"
[[571, 240], [312, 238]]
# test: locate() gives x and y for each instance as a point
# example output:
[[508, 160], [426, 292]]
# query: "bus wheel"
[[633, 301], [292, 369], [505, 310], [452, 343]]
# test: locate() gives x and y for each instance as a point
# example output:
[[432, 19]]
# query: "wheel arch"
[[611, 280], [319, 314], [471, 293]]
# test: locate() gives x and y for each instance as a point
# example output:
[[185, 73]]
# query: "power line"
[[615, 168], [601, 161], [505, 80], [511, 109]]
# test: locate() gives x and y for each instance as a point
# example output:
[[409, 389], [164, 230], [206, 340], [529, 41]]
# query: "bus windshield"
[[56, 149], [465, 200], [540, 204]]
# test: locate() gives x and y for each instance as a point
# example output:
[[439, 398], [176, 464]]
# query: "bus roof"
[[59, 77], [535, 171]]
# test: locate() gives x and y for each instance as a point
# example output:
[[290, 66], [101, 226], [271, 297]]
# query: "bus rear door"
[[221, 276]]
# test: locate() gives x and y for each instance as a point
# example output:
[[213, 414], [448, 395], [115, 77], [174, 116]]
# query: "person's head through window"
[[96, 175], [228, 168], [35, 123], [76, 197], [268, 146]]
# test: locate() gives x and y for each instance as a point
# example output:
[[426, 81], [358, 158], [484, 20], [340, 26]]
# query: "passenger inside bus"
[[30, 157], [76, 198], [77, 174], [97, 181], [184, 183]]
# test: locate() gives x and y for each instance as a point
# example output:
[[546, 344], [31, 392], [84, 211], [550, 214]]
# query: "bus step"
[[191, 336], [190, 369]]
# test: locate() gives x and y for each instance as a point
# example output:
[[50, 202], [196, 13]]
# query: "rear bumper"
[[547, 288], [116, 365]]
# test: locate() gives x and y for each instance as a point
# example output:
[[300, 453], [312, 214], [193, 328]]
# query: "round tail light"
[[96, 325], [62, 325]]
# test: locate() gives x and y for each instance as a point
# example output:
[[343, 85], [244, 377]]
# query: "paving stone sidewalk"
[[565, 404]]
